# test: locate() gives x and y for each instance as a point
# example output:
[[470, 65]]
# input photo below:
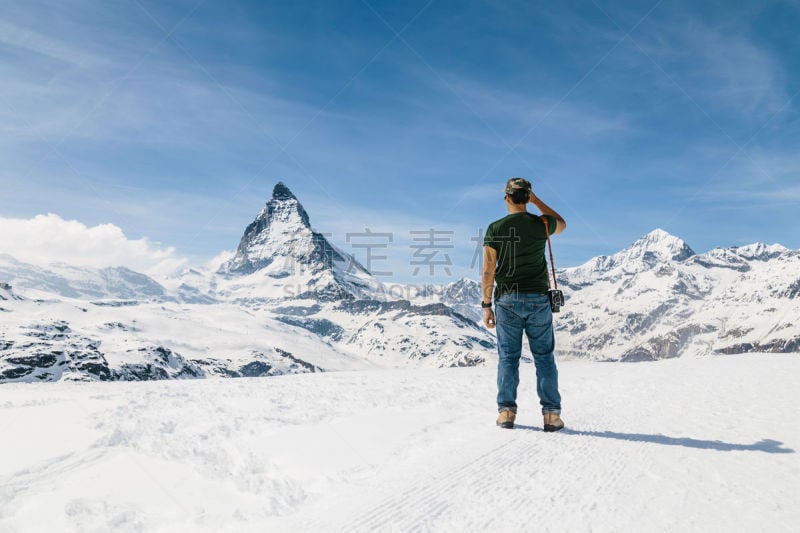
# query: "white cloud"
[[49, 238]]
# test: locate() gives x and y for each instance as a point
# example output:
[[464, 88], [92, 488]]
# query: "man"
[[513, 256]]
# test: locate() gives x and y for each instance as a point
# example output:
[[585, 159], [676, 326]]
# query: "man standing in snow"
[[513, 255]]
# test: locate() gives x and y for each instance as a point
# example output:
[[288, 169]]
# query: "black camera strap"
[[550, 249]]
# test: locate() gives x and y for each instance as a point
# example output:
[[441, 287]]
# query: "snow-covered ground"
[[689, 444]]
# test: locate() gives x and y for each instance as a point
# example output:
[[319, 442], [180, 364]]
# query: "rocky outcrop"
[[279, 362], [155, 363], [50, 351], [776, 346]]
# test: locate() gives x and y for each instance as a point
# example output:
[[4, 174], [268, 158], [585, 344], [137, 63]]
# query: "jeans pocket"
[[540, 314], [506, 311], [508, 306]]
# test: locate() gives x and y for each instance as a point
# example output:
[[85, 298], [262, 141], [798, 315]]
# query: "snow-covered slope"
[[156, 341], [80, 282], [679, 445]]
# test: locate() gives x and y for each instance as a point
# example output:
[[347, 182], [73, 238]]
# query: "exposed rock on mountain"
[[7, 293], [50, 351]]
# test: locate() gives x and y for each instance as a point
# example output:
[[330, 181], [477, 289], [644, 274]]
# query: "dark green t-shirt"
[[520, 240]]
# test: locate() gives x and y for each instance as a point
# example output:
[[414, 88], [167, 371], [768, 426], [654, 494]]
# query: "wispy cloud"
[[719, 64], [29, 40], [730, 70], [516, 112]]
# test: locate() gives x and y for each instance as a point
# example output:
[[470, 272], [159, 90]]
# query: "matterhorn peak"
[[281, 245], [281, 229]]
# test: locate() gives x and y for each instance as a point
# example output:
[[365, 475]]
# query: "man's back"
[[520, 241]]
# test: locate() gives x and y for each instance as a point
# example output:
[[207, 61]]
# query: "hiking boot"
[[506, 418], [553, 422]]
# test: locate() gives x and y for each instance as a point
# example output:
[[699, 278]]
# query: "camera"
[[556, 300]]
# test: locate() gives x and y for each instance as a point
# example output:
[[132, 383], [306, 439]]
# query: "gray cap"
[[517, 183]]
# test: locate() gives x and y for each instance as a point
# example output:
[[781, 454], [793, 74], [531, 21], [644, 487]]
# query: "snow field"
[[690, 444]]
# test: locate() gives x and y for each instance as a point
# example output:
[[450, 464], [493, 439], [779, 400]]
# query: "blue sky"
[[174, 120]]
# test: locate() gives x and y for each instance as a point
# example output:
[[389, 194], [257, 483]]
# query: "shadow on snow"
[[764, 445]]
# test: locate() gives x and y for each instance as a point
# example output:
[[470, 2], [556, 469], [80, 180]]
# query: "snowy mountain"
[[287, 302], [658, 299], [282, 255], [80, 282], [655, 248]]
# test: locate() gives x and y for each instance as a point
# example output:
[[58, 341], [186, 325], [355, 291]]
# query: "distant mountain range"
[[658, 299], [289, 301]]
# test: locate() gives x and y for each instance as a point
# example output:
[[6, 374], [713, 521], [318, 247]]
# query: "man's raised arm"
[[561, 224]]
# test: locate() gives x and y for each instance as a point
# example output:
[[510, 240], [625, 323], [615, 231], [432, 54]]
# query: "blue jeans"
[[528, 312]]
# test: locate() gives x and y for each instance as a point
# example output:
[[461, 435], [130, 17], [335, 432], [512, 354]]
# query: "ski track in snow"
[[705, 444], [512, 464]]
